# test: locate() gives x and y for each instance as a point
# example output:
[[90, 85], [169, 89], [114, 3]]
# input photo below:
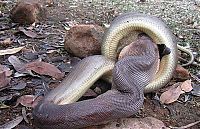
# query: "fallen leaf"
[[171, 95], [3, 106], [196, 90], [12, 124], [4, 68], [17, 64], [20, 67], [20, 74], [28, 100], [51, 51], [28, 33], [10, 51], [187, 97], [4, 98], [19, 86], [6, 42], [31, 55], [4, 81], [181, 72], [44, 68], [8, 97], [24, 114], [65, 67], [186, 86]]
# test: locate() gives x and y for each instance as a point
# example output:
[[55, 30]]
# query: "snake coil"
[[132, 76]]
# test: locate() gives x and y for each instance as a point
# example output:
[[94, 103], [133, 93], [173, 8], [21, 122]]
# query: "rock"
[[28, 12], [84, 40]]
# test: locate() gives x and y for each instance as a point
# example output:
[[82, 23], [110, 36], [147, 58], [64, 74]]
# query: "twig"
[[24, 115], [186, 126], [193, 63]]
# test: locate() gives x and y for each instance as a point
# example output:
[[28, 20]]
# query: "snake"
[[132, 76]]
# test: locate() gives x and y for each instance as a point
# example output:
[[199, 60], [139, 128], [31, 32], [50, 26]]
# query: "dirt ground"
[[182, 16]]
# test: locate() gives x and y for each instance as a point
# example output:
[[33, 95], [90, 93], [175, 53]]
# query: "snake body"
[[132, 76]]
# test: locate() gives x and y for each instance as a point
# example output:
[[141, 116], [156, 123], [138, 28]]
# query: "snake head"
[[163, 50]]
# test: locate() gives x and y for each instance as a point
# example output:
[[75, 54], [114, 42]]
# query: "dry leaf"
[[28, 100], [28, 33], [5, 69], [196, 90], [4, 81], [12, 124], [9, 97], [19, 67], [186, 86], [10, 51], [16, 63], [3, 106], [6, 42], [171, 95], [44, 68], [181, 72], [24, 114], [19, 86]]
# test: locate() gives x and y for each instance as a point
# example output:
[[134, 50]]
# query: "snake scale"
[[132, 76]]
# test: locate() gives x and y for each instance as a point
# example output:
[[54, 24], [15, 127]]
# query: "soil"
[[181, 16]]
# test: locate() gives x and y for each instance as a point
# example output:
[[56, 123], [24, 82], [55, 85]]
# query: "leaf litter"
[[6, 42], [173, 93], [44, 68], [28, 100], [28, 33], [12, 124], [37, 66], [4, 81], [10, 51]]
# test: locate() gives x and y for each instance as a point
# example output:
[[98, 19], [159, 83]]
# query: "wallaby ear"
[[163, 50]]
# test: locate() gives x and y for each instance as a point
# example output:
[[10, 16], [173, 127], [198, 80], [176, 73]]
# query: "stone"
[[84, 40], [28, 12]]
